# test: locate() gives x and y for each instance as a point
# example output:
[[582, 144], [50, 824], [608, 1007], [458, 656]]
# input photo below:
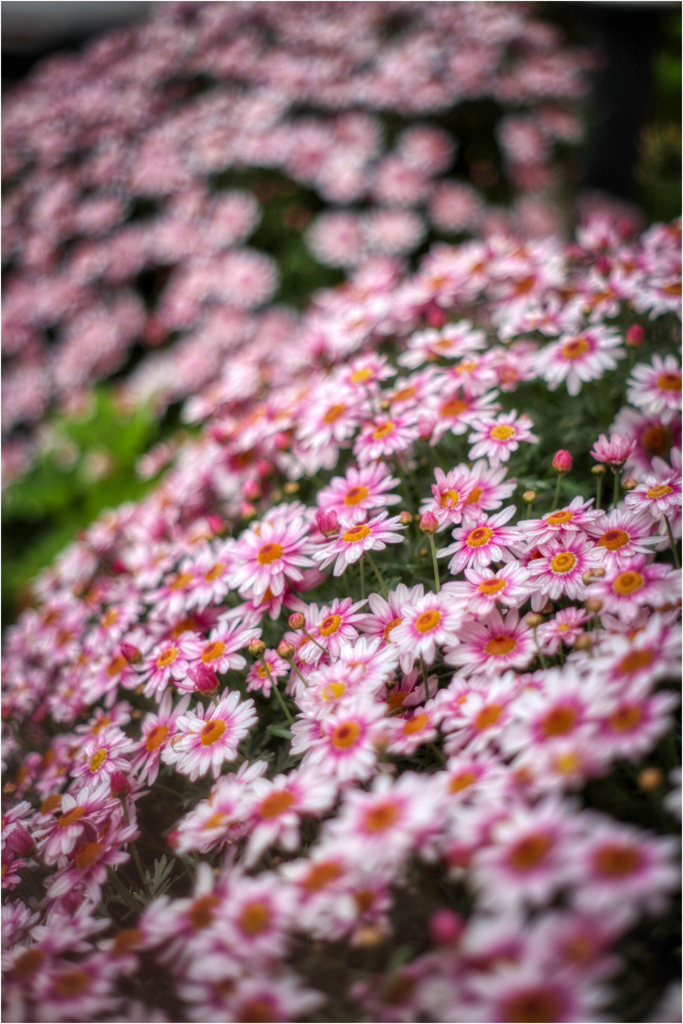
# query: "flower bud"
[[405, 518], [533, 620], [562, 462], [131, 653], [629, 483], [252, 490], [285, 650], [327, 522], [429, 523], [257, 648], [120, 786], [291, 487], [635, 336], [297, 620], [281, 441], [529, 497], [582, 643], [204, 677], [593, 605], [598, 470], [216, 524], [547, 609], [650, 778], [20, 841], [368, 936], [445, 927], [247, 510], [385, 405]]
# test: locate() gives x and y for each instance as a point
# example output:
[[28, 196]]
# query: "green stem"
[[439, 753], [277, 692], [424, 675], [362, 579], [378, 574], [134, 849], [345, 577], [528, 509], [671, 542], [615, 499], [598, 500], [313, 640], [436, 566], [561, 654], [542, 660], [122, 891], [557, 492], [295, 669]]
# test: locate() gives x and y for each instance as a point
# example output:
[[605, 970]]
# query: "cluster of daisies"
[[280, 757]]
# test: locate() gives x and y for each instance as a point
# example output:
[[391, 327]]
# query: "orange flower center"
[[669, 381], [532, 1006], [361, 375], [627, 582], [72, 983], [452, 408], [659, 491], [376, 819], [502, 433], [110, 618], [27, 962], [116, 666], [563, 562], [333, 413], [97, 760], [654, 440], [181, 581], [276, 803], [415, 724], [356, 533], [212, 732], [617, 860], [559, 720], [330, 625], [499, 646], [395, 699], [488, 716], [635, 661], [558, 518], [354, 495], [270, 553], [214, 573], [474, 496], [202, 911], [155, 737], [255, 917], [492, 585], [449, 499], [383, 430], [69, 819], [51, 804], [213, 651], [613, 540], [575, 348], [461, 781], [167, 657], [427, 621], [529, 852], [125, 941], [345, 735], [404, 394], [625, 718], [477, 538], [255, 1011], [87, 854], [321, 875], [391, 625]]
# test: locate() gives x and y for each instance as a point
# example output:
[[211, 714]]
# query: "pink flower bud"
[[327, 522], [281, 441], [20, 841], [562, 461], [130, 652], [425, 428], [429, 523], [445, 927], [247, 510], [285, 650], [297, 620], [216, 524], [120, 786], [257, 648], [635, 336], [252, 490], [434, 315], [603, 265], [204, 678]]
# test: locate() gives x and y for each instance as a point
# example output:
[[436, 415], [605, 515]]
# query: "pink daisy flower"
[[431, 621], [577, 516], [487, 489], [346, 744], [388, 614], [384, 437], [566, 627], [450, 493], [657, 496], [267, 553], [258, 678], [653, 438], [353, 540], [484, 589], [559, 568], [496, 439], [169, 660], [406, 735], [579, 358], [156, 732], [335, 624], [451, 342], [479, 715], [489, 540], [621, 535], [615, 451], [631, 724], [358, 492], [219, 652], [209, 736], [492, 645], [626, 589], [276, 808], [456, 412], [656, 389]]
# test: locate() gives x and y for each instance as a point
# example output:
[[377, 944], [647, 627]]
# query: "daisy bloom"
[[258, 678], [456, 412], [631, 724], [334, 624], [496, 439], [354, 539], [577, 516], [450, 493], [388, 614], [656, 497], [218, 653], [209, 736], [656, 389], [627, 588], [613, 452], [346, 744], [276, 808], [565, 627], [485, 589], [559, 567], [621, 534], [488, 540], [493, 644], [431, 621], [487, 489], [358, 492], [267, 553], [384, 437], [168, 660], [579, 358], [156, 732], [478, 716], [406, 735]]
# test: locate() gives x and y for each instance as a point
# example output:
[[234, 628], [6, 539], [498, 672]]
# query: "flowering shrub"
[[366, 710]]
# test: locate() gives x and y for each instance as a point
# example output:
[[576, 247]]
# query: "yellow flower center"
[[155, 737], [427, 621], [474, 496], [355, 495], [415, 724], [378, 818], [526, 854], [321, 875], [659, 491], [333, 413], [613, 540], [449, 499], [213, 651], [383, 430], [212, 732], [558, 721], [404, 394], [116, 666], [71, 817], [356, 533], [492, 586], [214, 573], [97, 760], [461, 781], [563, 563], [255, 917], [488, 716], [276, 803], [270, 553], [559, 518], [499, 646], [330, 625], [181, 581], [575, 348], [346, 734], [502, 433], [391, 625], [110, 618], [479, 537], [627, 582], [167, 657], [452, 408], [361, 375], [669, 381], [635, 661], [333, 691]]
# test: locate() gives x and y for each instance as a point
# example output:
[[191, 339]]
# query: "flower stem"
[[134, 849], [313, 640], [557, 491], [436, 565], [439, 753], [424, 676], [598, 500], [615, 499], [671, 542], [378, 574], [362, 579], [277, 692], [542, 660]]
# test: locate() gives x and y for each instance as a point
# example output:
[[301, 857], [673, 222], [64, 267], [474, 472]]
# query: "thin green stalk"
[[439, 753], [362, 579], [277, 692], [134, 849], [557, 491], [561, 654], [598, 500], [295, 669], [528, 509], [671, 542], [122, 891], [313, 640], [437, 582], [378, 574], [615, 499], [542, 660], [345, 577], [424, 674]]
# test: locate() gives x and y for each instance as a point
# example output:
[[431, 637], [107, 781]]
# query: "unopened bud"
[[533, 620], [529, 497], [425, 429], [285, 650], [9, 788], [367, 937], [562, 462], [120, 786], [20, 841], [385, 404], [445, 927], [291, 487], [203, 676], [424, 552], [327, 522], [629, 484], [547, 609], [635, 336], [650, 778], [252, 490], [281, 441], [582, 643], [257, 648], [598, 470], [429, 523], [135, 714], [593, 605], [297, 620], [247, 510], [216, 524], [405, 518], [131, 653]]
